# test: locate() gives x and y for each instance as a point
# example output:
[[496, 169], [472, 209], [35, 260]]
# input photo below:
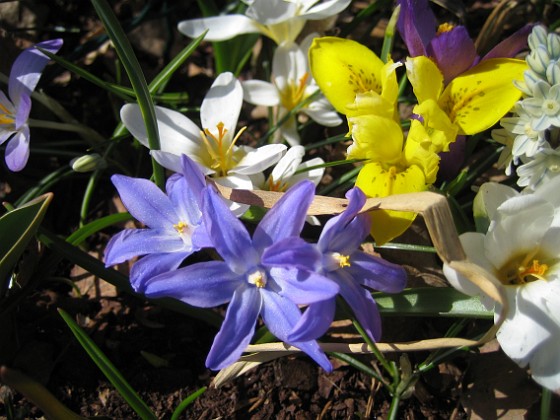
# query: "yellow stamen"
[[180, 227], [343, 260], [220, 150], [277, 186], [535, 271], [293, 94], [444, 27], [257, 278]]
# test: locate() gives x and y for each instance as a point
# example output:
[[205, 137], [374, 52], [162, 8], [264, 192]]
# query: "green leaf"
[[136, 77], [432, 301], [108, 369], [186, 402], [17, 227], [80, 235]]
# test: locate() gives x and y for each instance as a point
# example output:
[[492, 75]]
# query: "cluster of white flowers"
[[532, 135]]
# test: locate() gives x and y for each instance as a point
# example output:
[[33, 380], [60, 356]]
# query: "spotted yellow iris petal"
[[434, 130], [376, 138], [425, 77], [417, 154], [375, 180], [344, 68], [478, 98]]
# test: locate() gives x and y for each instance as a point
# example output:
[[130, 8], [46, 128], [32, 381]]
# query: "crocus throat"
[[526, 270], [220, 150], [293, 94], [180, 227], [343, 260], [277, 186], [6, 116]]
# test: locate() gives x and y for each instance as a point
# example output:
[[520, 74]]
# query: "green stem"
[[394, 408], [546, 400]]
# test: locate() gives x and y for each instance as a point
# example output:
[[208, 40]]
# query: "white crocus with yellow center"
[[214, 147], [280, 20], [521, 252], [291, 84]]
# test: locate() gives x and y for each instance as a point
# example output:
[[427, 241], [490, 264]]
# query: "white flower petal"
[[289, 65], [326, 9], [219, 28], [259, 92], [177, 133], [313, 175], [490, 196], [241, 182], [289, 131], [257, 160], [526, 325], [518, 228], [286, 166], [222, 104], [173, 162], [268, 12]]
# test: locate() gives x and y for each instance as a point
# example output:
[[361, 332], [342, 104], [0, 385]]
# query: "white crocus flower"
[[540, 169], [291, 84], [280, 20], [290, 170], [213, 147], [521, 252]]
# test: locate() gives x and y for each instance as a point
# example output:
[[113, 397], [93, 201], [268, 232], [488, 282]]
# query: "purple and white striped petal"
[[17, 150]]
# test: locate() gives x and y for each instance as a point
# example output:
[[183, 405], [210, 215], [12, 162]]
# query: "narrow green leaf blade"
[[17, 228], [108, 369], [432, 301]]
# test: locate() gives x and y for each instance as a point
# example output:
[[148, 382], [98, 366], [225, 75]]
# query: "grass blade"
[[108, 369]]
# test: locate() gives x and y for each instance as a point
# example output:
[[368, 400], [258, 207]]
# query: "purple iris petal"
[[362, 304], [205, 284], [27, 68], [416, 25], [303, 287], [145, 201], [152, 265], [187, 194], [281, 316], [287, 217], [376, 273], [237, 330], [130, 243], [453, 51], [17, 150], [512, 45], [315, 321]]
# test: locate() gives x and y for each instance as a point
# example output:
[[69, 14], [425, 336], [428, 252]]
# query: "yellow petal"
[[478, 98], [425, 77], [343, 68], [376, 138], [417, 154], [375, 181], [435, 131]]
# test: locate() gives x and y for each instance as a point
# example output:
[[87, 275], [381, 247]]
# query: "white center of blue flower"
[[258, 278]]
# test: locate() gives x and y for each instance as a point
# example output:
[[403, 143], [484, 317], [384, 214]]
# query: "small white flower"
[[280, 20], [291, 83], [527, 141], [540, 169], [521, 253], [544, 106], [214, 147]]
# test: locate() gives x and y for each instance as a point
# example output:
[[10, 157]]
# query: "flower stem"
[[546, 399]]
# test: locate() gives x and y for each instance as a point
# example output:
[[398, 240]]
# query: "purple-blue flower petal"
[[417, 25], [287, 217], [512, 45], [281, 316], [453, 51], [146, 202], [17, 150], [130, 243], [292, 252], [228, 234], [362, 304], [27, 68], [22, 112], [335, 232], [376, 273], [237, 330], [153, 265], [315, 321], [302, 287], [205, 284]]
